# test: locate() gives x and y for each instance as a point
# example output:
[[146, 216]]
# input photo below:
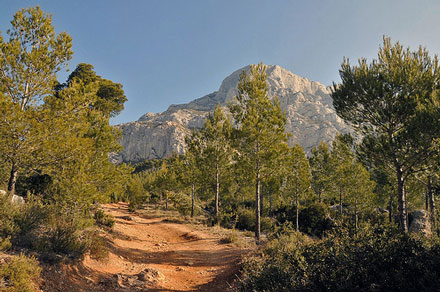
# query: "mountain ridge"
[[310, 115]]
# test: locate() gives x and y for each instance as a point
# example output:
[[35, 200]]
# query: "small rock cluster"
[[146, 278]]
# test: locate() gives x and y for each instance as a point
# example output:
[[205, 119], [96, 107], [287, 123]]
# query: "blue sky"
[[173, 51]]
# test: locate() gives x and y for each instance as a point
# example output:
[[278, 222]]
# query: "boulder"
[[151, 275], [17, 200], [420, 222]]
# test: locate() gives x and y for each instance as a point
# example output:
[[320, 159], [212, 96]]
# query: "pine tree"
[[321, 170], [350, 180], [298, 177], [260, 138], [394, 103], [216, 150], [29, 62]]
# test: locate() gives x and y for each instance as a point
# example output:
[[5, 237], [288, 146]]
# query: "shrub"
[[382, 259], [98, 246], [246, 219], [103, 219], [7, 215], [19, 274], [267, 224], [31, 217], [5, 243], [135, 192], [181, 202], [313, 219], [231, 237]]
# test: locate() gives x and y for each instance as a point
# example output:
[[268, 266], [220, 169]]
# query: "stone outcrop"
[[420, 222], [311, 117]]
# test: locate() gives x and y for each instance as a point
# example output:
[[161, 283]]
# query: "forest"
[[357, 215]]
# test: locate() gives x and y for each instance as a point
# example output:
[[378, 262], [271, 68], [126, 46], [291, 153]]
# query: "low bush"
[[381, 259], [181, 202], [231, 237], [103, 219], [19, 274], [313, 219], [98, 246], [5, 243], [246, 219], [8, 212]]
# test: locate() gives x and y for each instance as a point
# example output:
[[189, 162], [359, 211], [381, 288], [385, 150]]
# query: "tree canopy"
[[390, 101]]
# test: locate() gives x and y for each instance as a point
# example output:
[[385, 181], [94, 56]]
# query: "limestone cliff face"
[[311, 117]]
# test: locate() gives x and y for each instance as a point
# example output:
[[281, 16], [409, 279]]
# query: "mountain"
[[311, 117]]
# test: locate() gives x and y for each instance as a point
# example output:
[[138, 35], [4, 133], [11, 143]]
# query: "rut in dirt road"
[[152, 254]]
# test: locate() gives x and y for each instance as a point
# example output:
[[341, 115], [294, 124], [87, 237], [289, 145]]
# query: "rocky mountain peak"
[[311, 117]]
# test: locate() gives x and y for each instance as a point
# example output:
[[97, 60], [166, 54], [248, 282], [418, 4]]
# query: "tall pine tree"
[[260, 137]]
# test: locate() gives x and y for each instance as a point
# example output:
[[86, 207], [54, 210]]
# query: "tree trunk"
[[270, 202], [217, 191], [356, 218], [12, 179], [192, 200], [390, 208], [340, 203], [166, 201], [427, 198], [403, 214], [257, 206], [297, 213], [431, 205], [261, 199]]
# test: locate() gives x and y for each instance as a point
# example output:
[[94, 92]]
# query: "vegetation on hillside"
[[328, 217]]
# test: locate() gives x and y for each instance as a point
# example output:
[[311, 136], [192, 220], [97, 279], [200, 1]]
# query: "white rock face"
[[311, 117]]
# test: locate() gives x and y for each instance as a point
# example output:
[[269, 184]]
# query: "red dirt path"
[[189, 260]]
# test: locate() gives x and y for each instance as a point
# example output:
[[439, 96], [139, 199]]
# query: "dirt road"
[[149, 253]]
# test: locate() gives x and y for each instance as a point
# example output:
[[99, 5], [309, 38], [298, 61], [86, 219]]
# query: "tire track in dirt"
[[185, 259]]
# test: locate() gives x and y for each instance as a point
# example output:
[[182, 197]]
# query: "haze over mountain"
[[311, 117]]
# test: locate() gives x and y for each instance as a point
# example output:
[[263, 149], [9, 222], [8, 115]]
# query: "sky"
[[172, 51]]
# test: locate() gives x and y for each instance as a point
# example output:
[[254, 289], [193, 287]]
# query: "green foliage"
[[98, 246], [391, 101], [246, 219], [321, 171], [181, 202], [68, 235], [8, 212], [351, 184], [20, 274], [30, 221], [211, 148], [33, 55], [104, 219], [313, 219], [298, 178], [135, 192], [110, 96], [381, 259], [5, 243], [232, 237], [260, 138]]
